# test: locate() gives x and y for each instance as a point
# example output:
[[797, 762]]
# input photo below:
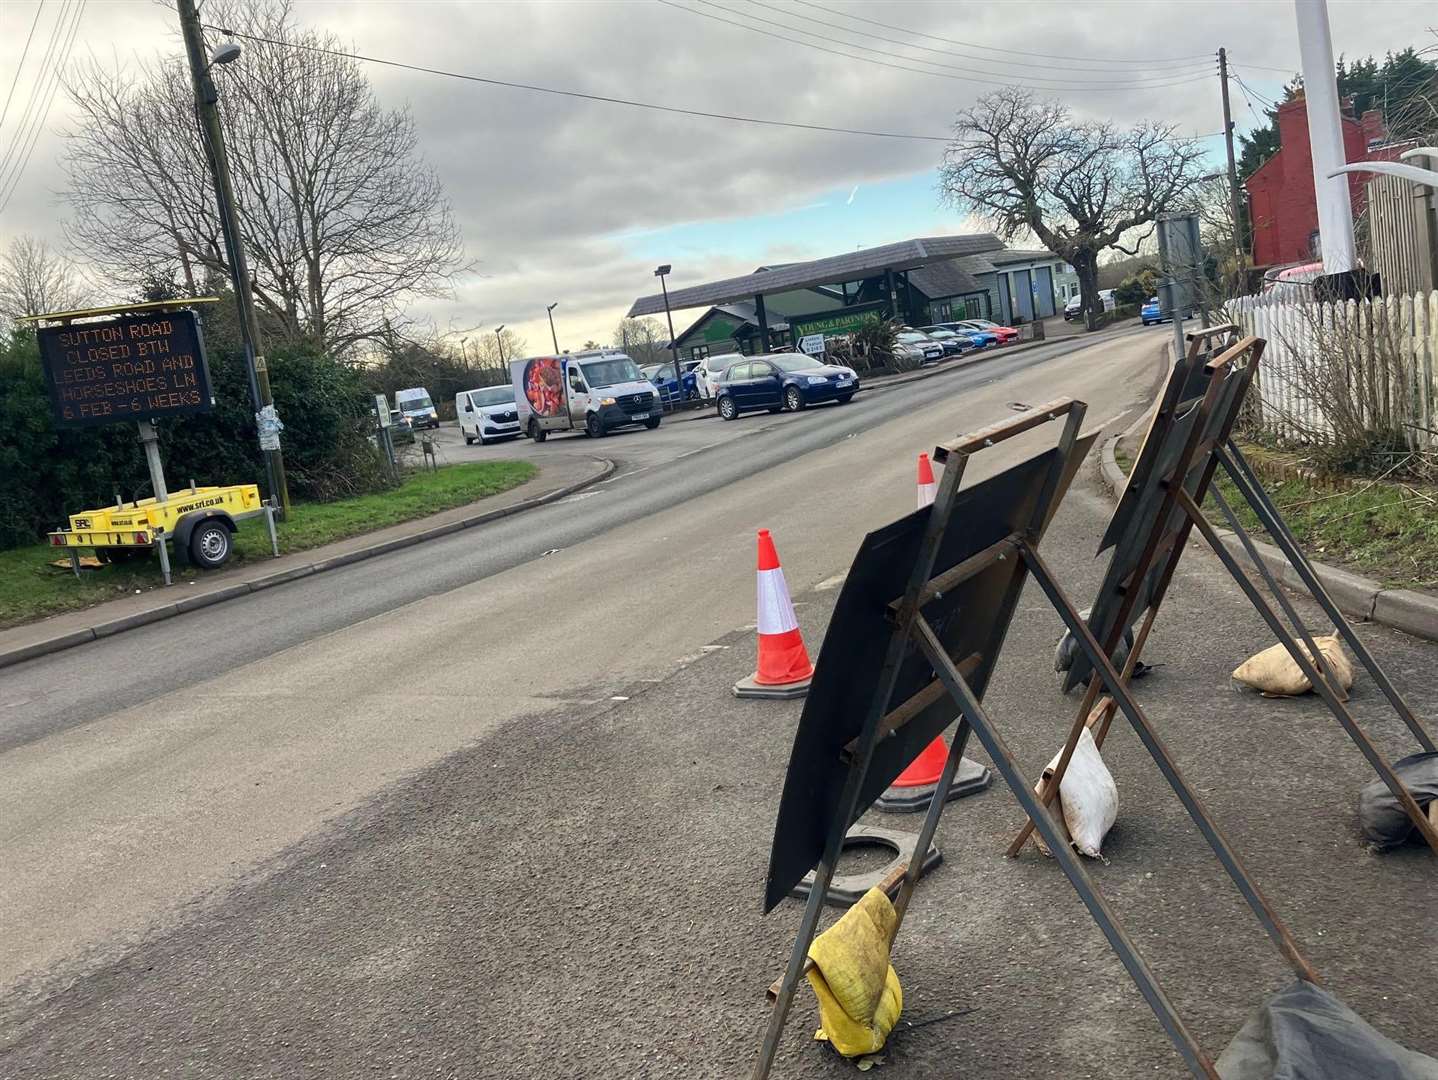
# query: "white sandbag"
[[1088, 797], [1277, 674]]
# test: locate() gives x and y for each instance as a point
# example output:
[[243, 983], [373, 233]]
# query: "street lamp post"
[[673, 345], [497, 330], [213, 137], [550, 312], [464, 351]]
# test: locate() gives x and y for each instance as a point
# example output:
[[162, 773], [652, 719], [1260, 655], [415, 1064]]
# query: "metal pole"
[[673, 345], [500, 342], [151, 442], [206, 99], [1238, 244], [550, 312], [1325, 135]]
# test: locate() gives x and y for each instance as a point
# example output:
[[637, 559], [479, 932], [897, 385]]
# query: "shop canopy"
[[850, 266]]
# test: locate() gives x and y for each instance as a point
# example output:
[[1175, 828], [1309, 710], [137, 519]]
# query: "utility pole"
[[206, 105], [1238, 238], [1325, 135]]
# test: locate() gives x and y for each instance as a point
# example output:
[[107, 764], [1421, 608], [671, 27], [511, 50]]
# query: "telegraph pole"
[[206, 105], [1238, 244]]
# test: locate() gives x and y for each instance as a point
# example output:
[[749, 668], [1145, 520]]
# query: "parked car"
[[982, 339], [416, 405], [1150, 313], [662, 376], [953, 343], [1073, 309], [401, 431], [708, 370], [783, 381], [1004, 334], [919, 346], [487, 414]]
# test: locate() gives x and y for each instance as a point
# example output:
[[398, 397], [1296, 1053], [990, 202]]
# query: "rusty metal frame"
[[913, 629], [1221, 451]]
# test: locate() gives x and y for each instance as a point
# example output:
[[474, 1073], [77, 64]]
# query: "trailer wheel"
[[210, 545]]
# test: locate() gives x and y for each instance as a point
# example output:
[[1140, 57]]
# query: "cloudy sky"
[[578, 201]]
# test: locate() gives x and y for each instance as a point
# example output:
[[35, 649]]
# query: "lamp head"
[[663, 270], [227, 52]]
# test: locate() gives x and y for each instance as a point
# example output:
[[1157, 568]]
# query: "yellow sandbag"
[[858, 992], [1274, 672]]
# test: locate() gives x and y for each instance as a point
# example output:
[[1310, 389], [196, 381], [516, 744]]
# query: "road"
[[478, 809]]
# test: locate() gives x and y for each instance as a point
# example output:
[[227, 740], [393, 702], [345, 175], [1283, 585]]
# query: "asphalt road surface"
[[393, 820]]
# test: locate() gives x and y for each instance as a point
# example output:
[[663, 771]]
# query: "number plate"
[[639, 416], [845, 382]]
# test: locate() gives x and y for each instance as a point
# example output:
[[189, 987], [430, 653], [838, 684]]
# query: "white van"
[[414, 404], [594, 392], [487, 414]]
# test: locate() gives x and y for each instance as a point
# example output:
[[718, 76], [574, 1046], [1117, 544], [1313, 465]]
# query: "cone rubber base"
[[970, 779], [782, 692], [846, 890]]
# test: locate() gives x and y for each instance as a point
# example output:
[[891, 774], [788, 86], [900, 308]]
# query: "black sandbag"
[[1385, 825], [1305, 1033]]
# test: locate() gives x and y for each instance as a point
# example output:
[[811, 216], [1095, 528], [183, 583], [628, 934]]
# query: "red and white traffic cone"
[[915, 787], [784, 670], [928, 490]]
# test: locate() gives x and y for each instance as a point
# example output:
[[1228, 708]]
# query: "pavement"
[[517, 826]]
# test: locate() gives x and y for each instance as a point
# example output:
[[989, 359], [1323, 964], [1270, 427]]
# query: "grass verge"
[[31, 588], [1382, 530]]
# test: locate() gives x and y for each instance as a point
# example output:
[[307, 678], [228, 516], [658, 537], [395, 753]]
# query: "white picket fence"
[[1385, 351]]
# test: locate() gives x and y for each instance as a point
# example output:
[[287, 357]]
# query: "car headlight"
[[606, 401], [816, 380]]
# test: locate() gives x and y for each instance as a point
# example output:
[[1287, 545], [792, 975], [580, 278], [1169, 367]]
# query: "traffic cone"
[[784, 669], [915, 787], [928, 490]]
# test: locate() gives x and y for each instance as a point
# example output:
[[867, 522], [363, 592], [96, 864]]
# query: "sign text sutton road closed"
[[142, 367]]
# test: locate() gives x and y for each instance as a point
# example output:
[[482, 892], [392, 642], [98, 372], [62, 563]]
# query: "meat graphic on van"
[[544, 386]]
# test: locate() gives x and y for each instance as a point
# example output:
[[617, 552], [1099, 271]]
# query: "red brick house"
[[1281, 202]]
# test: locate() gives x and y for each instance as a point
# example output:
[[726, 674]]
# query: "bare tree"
[[35, 280], [344, 220], [1081, 187], [645, 340], [487, 348]]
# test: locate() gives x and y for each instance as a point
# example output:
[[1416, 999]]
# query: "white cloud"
[[556, 196]]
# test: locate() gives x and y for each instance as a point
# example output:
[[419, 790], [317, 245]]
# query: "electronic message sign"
[[141, 367]]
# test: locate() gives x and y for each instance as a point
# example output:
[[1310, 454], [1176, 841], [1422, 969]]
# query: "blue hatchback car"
[[1150, 312], [786, 381]]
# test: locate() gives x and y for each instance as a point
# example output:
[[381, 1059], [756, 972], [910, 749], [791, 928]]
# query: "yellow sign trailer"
[[199, 521]]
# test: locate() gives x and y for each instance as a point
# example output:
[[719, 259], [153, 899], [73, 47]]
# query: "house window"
[[698, 352]]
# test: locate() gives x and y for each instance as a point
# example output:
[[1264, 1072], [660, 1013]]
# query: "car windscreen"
[[414, 403], [941, 334], [913, 339], [796, 362], [495, 395], [609, 372]]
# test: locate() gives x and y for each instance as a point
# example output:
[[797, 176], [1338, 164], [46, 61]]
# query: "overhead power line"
[[580, 95], [908, 62], [972, 57], [534, 88], [21, 65], [48, 90], [1151, 61], [37, 85]]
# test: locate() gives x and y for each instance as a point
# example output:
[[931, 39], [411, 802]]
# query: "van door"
[[466, 415], [578, 395]]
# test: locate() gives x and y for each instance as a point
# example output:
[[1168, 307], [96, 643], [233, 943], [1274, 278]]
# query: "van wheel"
[[653, 422], [537, 433], [593, 427], [467, 440], [210, 545]]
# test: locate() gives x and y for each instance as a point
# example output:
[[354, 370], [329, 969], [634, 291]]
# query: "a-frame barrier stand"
[[1189, 438], [1010, 560]]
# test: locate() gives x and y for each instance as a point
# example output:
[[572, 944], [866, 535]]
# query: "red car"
[[1005, 334]]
